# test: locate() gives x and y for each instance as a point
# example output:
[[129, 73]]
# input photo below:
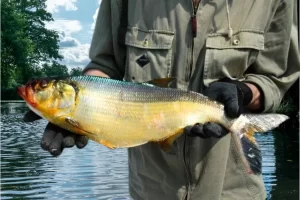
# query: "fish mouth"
[[21, 91], [26, 94]]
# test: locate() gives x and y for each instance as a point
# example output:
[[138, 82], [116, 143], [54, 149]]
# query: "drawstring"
[[230, 31]]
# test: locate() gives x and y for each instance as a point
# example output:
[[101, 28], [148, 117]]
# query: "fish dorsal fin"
[[167, 143], [161, 82]]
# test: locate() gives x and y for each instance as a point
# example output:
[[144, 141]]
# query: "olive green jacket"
[[253, 41]]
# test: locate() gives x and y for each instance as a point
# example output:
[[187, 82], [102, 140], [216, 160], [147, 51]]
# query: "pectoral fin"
[[73, 122], [92, 136], [76, 127]]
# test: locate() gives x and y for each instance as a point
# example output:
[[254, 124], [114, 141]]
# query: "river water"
[[95, 172]]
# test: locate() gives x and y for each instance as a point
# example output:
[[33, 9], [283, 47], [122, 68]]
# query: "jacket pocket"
[[149, 54], [231, 57]]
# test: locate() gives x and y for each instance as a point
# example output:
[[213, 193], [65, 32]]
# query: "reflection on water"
[[28, 172]]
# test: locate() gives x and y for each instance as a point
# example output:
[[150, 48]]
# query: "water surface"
[[95, 172]]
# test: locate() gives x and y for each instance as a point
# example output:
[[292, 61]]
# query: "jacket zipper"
[[194, 34], [188, 77]]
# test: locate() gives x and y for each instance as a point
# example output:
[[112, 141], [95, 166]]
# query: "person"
[[241, 53]]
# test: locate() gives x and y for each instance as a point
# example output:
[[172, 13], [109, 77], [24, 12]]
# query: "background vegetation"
[[28, 49]]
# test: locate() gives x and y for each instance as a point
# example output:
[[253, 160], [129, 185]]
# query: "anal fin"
[[167, 143]]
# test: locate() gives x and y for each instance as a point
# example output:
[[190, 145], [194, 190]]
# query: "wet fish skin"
[[124, 114]]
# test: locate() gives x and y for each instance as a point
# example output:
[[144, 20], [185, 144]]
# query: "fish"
[[120, 114]]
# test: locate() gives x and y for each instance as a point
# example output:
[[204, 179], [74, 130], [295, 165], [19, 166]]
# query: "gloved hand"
[[55, 139], [234, 95]]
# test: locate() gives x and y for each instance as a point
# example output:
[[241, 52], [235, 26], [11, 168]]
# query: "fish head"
[[49, 97]]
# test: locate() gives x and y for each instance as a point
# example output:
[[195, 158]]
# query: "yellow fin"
[[73, 122], [167, 143], [77, 128], [101, 141], [77, 125], [161, 82], [107, 144]]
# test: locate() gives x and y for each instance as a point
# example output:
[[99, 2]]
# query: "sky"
[[74, 20]]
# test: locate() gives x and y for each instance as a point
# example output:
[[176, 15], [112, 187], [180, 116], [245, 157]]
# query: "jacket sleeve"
[[106, 54], [278, 66]]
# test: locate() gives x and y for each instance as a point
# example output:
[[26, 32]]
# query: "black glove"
[[55, 139], [234, 95]]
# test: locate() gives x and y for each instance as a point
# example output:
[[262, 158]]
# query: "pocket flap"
[[240, 40], [152, 39]]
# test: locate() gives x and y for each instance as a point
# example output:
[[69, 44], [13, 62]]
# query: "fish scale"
[[124, 114], [136, 108]]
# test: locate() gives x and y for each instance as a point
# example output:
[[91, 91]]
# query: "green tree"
[[55, 69], [15, 45], [26, 43], [76, 71]]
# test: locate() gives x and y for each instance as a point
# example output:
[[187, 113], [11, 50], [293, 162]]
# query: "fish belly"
[[130, 124], [117, 123]]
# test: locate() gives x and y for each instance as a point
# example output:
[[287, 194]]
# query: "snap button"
[[145, 43], [236, 41]]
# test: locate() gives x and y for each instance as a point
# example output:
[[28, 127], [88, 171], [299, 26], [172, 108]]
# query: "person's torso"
[[160, 43], [160, 40]]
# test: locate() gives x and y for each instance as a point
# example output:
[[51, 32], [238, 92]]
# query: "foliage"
[[290, 103], [55, 69], [76, 72], [290, 106], [287, 106], [25, 42]]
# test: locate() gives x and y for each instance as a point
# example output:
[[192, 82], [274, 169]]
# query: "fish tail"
[[245, 127]]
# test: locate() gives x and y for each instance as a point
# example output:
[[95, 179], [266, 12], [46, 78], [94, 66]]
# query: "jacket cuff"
[[113, 74], [243, 89], [271, 95]]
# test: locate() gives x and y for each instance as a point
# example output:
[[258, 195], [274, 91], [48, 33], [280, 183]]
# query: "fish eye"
[[33, 83], [43, 83]]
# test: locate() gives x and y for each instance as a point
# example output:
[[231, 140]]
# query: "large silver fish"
[[124, 114]]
